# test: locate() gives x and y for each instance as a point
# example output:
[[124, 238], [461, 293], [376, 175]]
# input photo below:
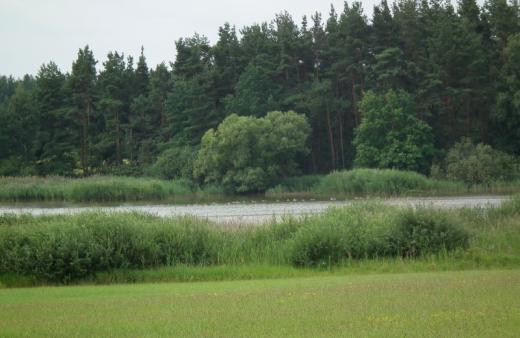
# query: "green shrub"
[[360, 231], [380, 182], [422, 231], [479, 164], [370, 231], [66, 249]]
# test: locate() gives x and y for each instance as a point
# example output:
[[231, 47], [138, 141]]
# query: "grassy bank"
[[91, 189], [447, 304], [101, 248], [341, 184], [374, 182]]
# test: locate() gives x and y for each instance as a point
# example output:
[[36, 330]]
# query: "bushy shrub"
[[350, 233], [422, 231], [479, 164], [378, 181], [368, 231], [62, 252]]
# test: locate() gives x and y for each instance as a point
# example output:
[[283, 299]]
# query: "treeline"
[[460, 65]]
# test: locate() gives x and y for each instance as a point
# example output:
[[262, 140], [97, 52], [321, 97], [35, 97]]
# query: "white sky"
[[33, 32]]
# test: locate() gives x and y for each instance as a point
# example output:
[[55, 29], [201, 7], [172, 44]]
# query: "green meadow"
[[441, 304]]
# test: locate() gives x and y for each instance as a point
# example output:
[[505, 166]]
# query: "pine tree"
[[55, 142], [82, 84]]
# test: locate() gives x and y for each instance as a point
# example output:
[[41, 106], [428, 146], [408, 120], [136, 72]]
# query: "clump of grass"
[[509, 208], [367, 231], [91, 189], [381, 182], [424, 231], [296, 185]]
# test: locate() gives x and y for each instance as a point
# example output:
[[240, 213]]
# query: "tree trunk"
[[331, 139], [118, 140], [341, 142]]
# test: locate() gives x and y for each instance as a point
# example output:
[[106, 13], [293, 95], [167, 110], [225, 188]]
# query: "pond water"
[[246, 212]]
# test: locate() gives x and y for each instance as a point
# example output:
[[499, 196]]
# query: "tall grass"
[[67, 248], [91, 189], [64, 249], [381, 182]]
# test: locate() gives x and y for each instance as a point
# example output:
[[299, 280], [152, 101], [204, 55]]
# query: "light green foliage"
[[371, 231], [391, 135], [247, 154], [479, 164]]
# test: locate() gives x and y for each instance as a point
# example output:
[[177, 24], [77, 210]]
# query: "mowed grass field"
[[437, 304]]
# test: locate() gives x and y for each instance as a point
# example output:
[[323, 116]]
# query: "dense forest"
[[457, 70]]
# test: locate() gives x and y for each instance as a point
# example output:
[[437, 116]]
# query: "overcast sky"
[[33, 32]]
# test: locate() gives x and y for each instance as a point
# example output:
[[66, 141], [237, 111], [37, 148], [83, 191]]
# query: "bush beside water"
[[362, 182], [375, 231], [91, 189], [68, 248]]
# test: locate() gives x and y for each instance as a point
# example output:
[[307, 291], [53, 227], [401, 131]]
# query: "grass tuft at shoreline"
[[339, 184], [381, 182], [91, 189]]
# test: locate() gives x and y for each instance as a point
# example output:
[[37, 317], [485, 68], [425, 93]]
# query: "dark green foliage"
[[254, 93], [391, 135], [458, 66], [508, 100], [175, 162], [423, 231], [479, 164]]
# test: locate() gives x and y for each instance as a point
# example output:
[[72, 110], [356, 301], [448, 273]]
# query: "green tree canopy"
[[248, 154], [390, 134]]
